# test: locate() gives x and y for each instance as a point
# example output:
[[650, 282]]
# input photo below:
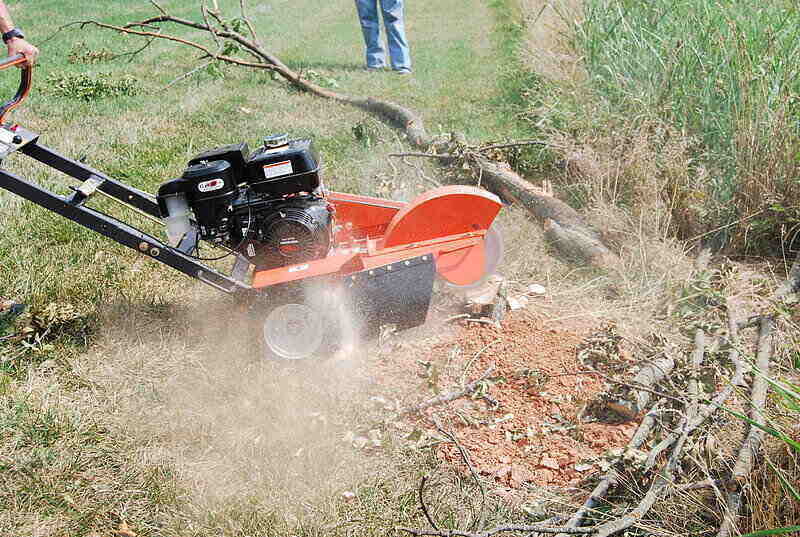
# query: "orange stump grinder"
[[313, 266]]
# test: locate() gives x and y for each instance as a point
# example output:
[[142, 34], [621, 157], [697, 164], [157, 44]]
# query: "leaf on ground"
[[124, 530]]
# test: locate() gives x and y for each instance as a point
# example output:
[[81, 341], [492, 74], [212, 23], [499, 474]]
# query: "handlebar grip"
[[26, 76]]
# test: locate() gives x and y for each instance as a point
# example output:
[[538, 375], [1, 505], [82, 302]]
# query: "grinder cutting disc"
[[469, 268]]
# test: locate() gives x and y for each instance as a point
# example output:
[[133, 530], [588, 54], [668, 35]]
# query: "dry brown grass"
[[638, 179], [768, 191], [546, 49]]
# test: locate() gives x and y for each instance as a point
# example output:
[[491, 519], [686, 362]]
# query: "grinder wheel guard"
[[451, 210]]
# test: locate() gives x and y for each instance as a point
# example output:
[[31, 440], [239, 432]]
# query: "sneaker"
[[404, 71], [370, 69]]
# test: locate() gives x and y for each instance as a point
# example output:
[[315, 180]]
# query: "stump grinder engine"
[[314, 269]]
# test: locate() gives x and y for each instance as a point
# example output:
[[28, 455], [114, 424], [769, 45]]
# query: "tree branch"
[[752, 442], [611, 477], [131, 31], [451, 396]]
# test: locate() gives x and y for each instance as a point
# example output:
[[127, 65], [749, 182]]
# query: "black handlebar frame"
[[26, 77]]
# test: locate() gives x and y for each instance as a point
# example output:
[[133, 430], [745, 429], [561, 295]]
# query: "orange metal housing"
[[449, 223]]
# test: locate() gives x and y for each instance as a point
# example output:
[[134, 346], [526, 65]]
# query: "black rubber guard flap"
[[398, 293]]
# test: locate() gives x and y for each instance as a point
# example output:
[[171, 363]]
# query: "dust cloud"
[[191, 383]]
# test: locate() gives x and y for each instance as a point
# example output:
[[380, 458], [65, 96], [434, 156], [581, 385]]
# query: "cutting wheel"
[[471, 267]]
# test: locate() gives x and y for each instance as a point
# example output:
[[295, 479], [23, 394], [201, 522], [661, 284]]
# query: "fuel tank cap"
[[276, 140]]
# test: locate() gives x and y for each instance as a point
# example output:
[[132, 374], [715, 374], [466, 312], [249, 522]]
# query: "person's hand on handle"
[[18, 45]]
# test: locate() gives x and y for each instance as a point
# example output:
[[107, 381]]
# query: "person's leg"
[[396, 34], [370, 26]]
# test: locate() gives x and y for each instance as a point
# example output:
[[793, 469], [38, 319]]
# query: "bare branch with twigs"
[[453, 395], [611, 477], [664, 478], [752, 442]]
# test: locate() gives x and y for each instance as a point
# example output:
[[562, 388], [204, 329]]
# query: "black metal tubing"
[[124, 193], [118, 231]]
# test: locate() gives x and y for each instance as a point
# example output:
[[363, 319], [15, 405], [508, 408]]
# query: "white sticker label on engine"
[[210, 186], [298, 268], [278, 169]]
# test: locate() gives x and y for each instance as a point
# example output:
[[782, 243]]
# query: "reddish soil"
[[525, 431]]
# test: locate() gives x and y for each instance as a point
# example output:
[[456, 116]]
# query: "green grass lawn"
[[132, 412]]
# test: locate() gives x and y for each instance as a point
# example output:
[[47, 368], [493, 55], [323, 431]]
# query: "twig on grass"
[[475, 357], [158, 7], [451, 396], [186, 75], [480, 518], [514, 144], [422, 503], [498, 529], [421, 155]]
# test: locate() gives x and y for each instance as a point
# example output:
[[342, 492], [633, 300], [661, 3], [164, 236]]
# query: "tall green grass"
[[723, 71]]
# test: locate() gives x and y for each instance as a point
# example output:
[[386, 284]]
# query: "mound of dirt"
[[525, 425]]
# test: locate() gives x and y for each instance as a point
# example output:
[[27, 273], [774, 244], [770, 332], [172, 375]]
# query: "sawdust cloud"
[[191, 383]]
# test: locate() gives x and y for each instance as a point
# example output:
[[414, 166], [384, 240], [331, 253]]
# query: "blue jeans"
[[395, 33]]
